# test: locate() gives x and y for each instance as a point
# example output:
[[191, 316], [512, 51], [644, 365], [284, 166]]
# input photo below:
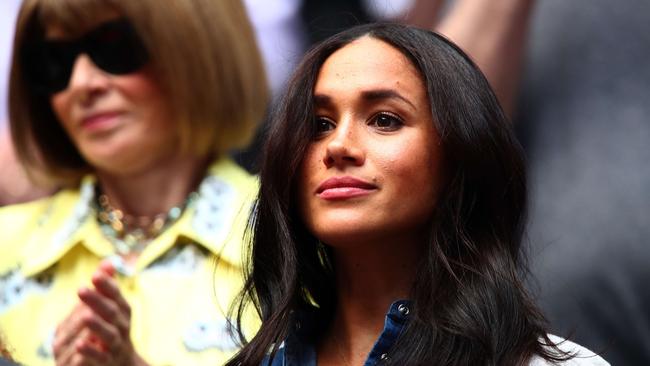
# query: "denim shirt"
[[298, 351]]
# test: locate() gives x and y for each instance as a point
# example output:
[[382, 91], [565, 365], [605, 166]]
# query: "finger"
[[71, 324], [107, 267], [80, 360], [67, 355], [64, 357], [92, 352], [109, 335], [107, 286], [105, 308], [94, 339], [66, 348], [68, 330]]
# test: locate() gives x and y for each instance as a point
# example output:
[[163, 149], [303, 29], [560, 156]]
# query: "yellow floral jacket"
[[180, 288]]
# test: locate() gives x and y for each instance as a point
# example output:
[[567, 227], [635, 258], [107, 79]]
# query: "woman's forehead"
[[367, 63]]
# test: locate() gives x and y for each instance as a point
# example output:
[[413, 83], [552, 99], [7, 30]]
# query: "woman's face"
[[119, 123], [374, 169]]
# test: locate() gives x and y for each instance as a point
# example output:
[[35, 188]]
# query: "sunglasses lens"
[[114, 47], [48, 65]]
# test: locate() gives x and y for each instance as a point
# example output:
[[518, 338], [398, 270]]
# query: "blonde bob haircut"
[[203, 55]]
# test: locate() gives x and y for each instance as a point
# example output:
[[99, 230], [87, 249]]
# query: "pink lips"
[[339, 188], [99, 121]]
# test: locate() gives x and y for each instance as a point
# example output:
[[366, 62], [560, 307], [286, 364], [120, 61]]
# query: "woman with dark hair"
[[406, 191]]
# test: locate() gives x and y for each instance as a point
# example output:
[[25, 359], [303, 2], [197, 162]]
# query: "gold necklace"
[[129, 233]]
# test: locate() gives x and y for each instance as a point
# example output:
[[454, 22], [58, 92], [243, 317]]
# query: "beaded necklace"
[[130, 234]]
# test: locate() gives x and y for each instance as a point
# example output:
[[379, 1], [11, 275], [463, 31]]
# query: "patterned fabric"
[[179, 289]]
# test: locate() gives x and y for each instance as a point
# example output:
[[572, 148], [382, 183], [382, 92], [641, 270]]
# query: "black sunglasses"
[[113, 46]]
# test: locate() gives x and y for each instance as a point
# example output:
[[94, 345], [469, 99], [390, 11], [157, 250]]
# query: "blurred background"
[[577, 86]]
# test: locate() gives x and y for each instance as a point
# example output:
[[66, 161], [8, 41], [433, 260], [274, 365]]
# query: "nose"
[[86, 79], [344, 146]]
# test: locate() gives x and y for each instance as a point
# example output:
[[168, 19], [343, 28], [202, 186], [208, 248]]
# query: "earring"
[[323, 257]]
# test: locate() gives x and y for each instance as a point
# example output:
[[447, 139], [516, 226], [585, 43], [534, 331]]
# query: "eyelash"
[[393, 118], [324, 124]]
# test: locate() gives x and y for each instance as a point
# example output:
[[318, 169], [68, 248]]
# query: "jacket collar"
[[215, 222]]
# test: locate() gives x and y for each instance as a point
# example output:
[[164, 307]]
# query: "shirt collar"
[[299, 348], [68, 216], [216, 221]]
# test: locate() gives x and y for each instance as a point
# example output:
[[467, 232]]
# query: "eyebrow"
[[368, 95]]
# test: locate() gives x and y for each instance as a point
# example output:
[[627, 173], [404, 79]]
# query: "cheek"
[[307, 173], [408, 162], [415, 172], [145, 95], [309, 176], [139, 86], [138, 92]]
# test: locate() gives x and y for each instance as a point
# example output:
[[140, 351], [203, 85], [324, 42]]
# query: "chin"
[[339, 237], [115, 150], [115, 162]]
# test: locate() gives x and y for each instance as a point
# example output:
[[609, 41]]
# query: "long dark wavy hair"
[[469, 306]]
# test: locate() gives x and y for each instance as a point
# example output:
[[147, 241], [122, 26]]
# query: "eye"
[[323, 125], [385, 121]]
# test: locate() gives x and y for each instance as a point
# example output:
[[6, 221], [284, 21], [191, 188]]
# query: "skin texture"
[[388, 141], [375, 125]]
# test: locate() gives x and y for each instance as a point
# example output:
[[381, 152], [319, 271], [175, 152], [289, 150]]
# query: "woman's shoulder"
[[22, 212], [24, 209], [582, 355], [225, 168], [20, 221], [228, 181], [278, 358]]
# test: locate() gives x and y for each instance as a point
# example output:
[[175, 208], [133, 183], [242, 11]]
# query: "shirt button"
[[384, 357], [403, 309]]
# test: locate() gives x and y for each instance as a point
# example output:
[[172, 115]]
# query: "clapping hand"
[[97, 330]]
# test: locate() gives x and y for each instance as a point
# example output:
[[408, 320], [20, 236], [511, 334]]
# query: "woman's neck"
[[369, 279], [156, 189]]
